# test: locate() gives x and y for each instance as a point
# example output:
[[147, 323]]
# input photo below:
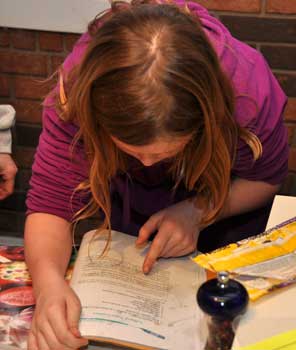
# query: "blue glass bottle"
[[223, 300]]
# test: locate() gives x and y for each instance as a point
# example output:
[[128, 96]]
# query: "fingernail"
[[76, 332], [141, 244]]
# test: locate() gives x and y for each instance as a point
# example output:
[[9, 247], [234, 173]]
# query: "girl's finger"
[[73, 310], [179, 247], [59, 324], [169, 246], [156, 250], [32, 342], [175, 252], [51, 338], [42, 343], [7, 186], [150, 226]]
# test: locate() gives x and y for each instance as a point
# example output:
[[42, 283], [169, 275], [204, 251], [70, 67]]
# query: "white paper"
[[158, 309]]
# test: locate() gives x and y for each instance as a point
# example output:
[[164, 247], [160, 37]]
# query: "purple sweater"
[[55, 174]]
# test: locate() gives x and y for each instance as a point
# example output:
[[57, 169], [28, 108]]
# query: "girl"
[[162, 123]]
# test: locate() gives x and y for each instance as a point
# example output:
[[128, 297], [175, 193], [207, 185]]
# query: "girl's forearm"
[[245, 195], [48, 247]]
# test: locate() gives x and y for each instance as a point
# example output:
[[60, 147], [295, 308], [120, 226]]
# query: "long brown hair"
[[149, 71]]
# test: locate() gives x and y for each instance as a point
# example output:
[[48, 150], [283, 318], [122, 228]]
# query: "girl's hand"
[[178, 230], [8, 170], [55, 321]]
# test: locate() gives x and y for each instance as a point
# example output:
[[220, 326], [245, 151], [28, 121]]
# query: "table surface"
[[269, 316], [272, 314]]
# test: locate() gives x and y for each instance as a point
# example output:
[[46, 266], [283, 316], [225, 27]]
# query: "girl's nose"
[[148, 161]]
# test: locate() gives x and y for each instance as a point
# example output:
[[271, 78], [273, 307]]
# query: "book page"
[[122, 304]]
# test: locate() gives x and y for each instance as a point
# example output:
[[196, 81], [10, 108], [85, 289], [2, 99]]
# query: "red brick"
[[291, 130], [288, 82], [280, 56], [232, 5], [56, 62], [30, 88], [6, 101], [4, 37], [290, 112], [292, 159], [28, 111], [281, 6], [51, 41], [23, 39], [24, 157], [28, 134], [70, 40], [11, 62], [261, 29], [289, 186], [22, 179], [4, 86]]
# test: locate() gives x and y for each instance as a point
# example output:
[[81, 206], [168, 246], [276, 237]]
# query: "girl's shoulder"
[[238, 60], [77, 53], [256, 89]]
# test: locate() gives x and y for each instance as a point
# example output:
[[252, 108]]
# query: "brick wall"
[[27, 57]]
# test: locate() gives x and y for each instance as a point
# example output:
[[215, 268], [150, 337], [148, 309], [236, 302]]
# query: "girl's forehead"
[[161, 145]]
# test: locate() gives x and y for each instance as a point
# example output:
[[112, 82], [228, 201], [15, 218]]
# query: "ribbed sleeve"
[[57, 170], [260, 105]]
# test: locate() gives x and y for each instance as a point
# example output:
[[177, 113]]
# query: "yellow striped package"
[[261, 263]]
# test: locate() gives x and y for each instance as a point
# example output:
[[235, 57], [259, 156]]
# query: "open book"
[[122, 306]]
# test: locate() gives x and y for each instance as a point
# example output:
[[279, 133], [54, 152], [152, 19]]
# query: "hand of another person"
[[177, 232], [8, 171], [55, 321]]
